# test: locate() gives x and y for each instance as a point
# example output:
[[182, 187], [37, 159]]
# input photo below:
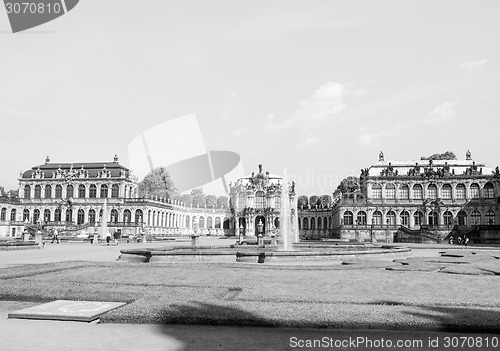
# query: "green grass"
[[364, 294]]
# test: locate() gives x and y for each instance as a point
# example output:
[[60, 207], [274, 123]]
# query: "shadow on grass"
[[202, 313], [455, 319]]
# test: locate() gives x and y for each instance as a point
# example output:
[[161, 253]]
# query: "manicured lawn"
[[417, 295]]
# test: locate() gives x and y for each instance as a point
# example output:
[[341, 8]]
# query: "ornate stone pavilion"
[[70, 196], [255, 202], [424, 200]]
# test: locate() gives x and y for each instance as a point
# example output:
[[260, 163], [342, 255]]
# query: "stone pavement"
[[26, 335]]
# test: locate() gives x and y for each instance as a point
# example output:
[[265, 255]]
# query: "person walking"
[[466, 242], [115, 237], [108, 238], [55, 236]]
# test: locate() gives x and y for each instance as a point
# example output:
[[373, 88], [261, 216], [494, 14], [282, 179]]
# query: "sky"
[[318, 87]]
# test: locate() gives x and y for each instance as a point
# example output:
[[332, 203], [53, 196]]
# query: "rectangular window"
[[417, 193], [488, 193], [390, 193], [377, 193], [460, 192], [446, 193], [404, 193]]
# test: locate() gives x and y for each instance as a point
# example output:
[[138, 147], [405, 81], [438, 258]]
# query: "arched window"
[[319, 223], [305, 223], [48, 191], [188, 221], [226, 223], [404, 192], [490, 217], [93, 191], [446, 192], [462, 218], [114, 215], [277, 201], [348, 218], [13, 214], [474, 191], [259, 199], [242, 200], [432, 191], [80, 218], [460, 191], [81, 191], [448, 218], [58, 191], [104, 191], [390, 218], [115, 190], [433, 219], [330, 222], [138, 216], [57, 215], [36, 215], [404, 216], [70, 191], [201, 223], [418, 192], [46, 215], [417, 217], [92, 216], [69, 215], [377, 191], [313, 222], [209, 223], [217, 222], [325, 223], [390, 191], [26, 215], [127, 216], [475, 217], [277, 222], [489, 192], [27, 191], [377, 218], [3, 214], [361, 218], [38, 191]]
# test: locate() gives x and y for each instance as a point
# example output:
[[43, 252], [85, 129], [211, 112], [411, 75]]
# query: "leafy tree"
[[187, 199], [325, 200], [348, 186], [2, 191], [157, 183], [211, 201], [448, 155], [222, 201], [302, 201], [314, 200], [198, 197], [12, 193]]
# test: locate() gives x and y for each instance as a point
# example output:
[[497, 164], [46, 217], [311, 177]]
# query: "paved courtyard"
[[58, 335]]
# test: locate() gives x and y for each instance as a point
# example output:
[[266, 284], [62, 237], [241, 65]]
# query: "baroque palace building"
[[255, 203], [71, 197], [421, 201]]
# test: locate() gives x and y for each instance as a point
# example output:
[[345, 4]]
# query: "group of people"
[[461, 240], [116, 235]]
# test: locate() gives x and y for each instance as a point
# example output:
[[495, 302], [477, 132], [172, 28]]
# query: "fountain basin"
[[306, 252]]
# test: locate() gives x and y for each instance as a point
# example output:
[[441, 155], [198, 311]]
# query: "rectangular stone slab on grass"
[[67, 310]]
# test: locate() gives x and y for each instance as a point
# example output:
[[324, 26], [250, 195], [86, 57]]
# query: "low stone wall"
[[18, 245]]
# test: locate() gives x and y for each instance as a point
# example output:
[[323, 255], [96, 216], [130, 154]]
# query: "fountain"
[[289, 250], [288, 215]]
